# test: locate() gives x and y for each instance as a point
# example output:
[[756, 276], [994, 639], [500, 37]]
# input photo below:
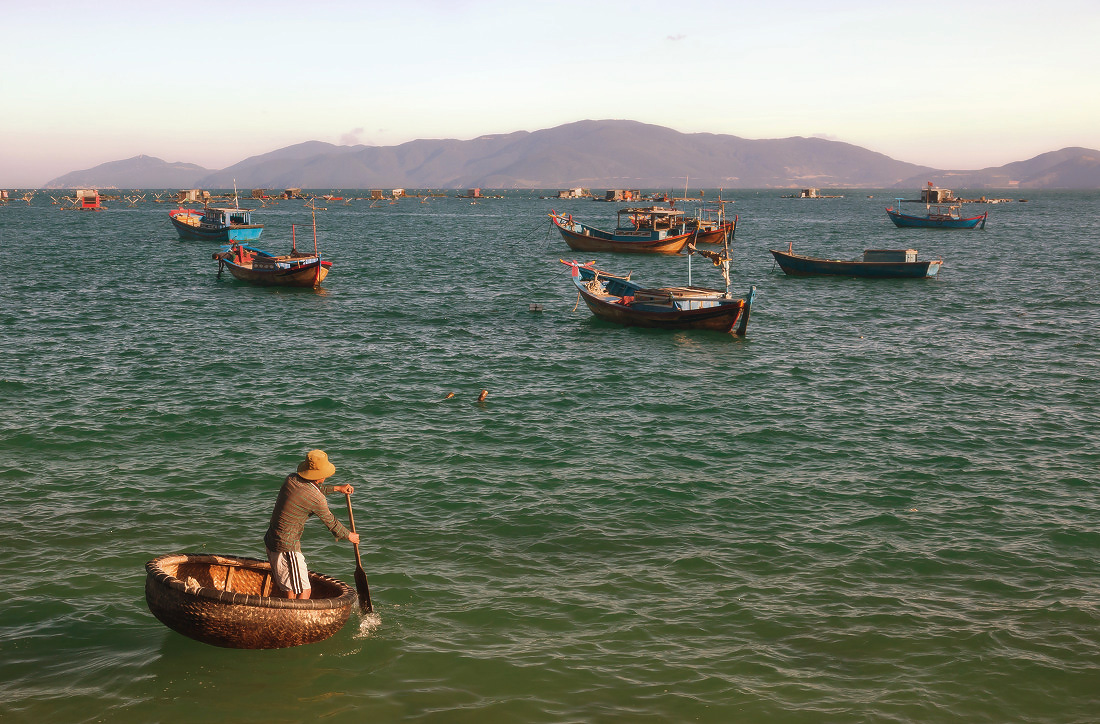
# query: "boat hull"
[[306, 275], [255, 266], [580, 237], [225, 601], [686, 308], [715, 236], [907, 221], [804, 266]]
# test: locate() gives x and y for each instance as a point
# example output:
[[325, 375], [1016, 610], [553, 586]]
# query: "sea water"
[[879, 506]]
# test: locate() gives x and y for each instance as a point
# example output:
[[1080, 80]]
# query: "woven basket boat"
[[225, 601]]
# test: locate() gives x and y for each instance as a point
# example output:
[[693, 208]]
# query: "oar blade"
[[364, 590]]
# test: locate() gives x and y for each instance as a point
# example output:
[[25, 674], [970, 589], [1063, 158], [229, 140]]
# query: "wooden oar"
[[360, 575]]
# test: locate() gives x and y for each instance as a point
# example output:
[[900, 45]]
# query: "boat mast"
[[317, 272]]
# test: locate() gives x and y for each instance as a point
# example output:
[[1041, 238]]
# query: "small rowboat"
[[226, 601]]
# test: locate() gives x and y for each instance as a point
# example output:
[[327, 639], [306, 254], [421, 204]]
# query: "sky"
[[961, 85]]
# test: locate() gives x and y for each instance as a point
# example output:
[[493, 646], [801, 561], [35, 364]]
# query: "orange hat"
[[316, 466]]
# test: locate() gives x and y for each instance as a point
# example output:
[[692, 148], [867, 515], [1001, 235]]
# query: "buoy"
[[483, 395], [449, 395]]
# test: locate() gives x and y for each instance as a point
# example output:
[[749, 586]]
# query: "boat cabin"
[[890, 255], [88, 200], [651, 218], [221, 218], [934, 195]]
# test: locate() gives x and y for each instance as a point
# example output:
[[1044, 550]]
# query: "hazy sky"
[[972, 85]]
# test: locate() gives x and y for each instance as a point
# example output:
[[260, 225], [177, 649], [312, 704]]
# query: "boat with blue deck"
[[936, 216], [876, 263], [215, 223], [640, 230]]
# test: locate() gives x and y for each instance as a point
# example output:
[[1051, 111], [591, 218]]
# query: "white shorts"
[[288, 571]]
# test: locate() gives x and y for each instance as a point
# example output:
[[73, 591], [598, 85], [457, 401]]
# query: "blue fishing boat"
[[643, 230], [876, 263], [936, 216], [215, 223]]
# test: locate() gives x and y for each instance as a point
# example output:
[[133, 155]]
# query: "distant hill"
[[601, 154], [593, 154], [139, 172], [1070, 168]]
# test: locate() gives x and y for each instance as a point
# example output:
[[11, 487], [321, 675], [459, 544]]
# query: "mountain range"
[[592, 154]]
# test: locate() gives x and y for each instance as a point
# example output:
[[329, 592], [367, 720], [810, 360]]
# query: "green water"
[[880, 506]]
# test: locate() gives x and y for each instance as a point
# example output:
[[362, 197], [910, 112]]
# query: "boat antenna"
[[236, 201]]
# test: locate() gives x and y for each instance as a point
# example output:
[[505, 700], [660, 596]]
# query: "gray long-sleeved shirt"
[[299, 499]]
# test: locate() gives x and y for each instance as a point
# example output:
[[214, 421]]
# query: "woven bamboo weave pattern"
[[225, 601]]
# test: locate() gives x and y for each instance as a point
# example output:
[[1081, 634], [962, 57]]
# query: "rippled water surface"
[[879, 506]]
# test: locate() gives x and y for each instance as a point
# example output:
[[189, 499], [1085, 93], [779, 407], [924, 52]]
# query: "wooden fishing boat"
[[256, 266], [215, 224], [639, 230], [936, 216], [876, 263], [226, 601], [618, 299]]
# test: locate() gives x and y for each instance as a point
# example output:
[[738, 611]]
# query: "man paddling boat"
[[302, 495]]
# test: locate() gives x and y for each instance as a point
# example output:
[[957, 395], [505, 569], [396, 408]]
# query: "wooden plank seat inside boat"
[[230, 576]]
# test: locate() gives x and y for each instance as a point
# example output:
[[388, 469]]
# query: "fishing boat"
[[711, 225], [226, 601], [256, 266], [936, 216], [618, 299], [876, 263], [639, 230], [215, 223]]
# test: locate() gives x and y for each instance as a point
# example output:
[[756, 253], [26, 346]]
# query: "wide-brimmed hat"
[[315, 466]]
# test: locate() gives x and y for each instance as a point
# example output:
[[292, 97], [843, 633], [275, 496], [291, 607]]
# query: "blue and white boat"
[[215, 223]]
